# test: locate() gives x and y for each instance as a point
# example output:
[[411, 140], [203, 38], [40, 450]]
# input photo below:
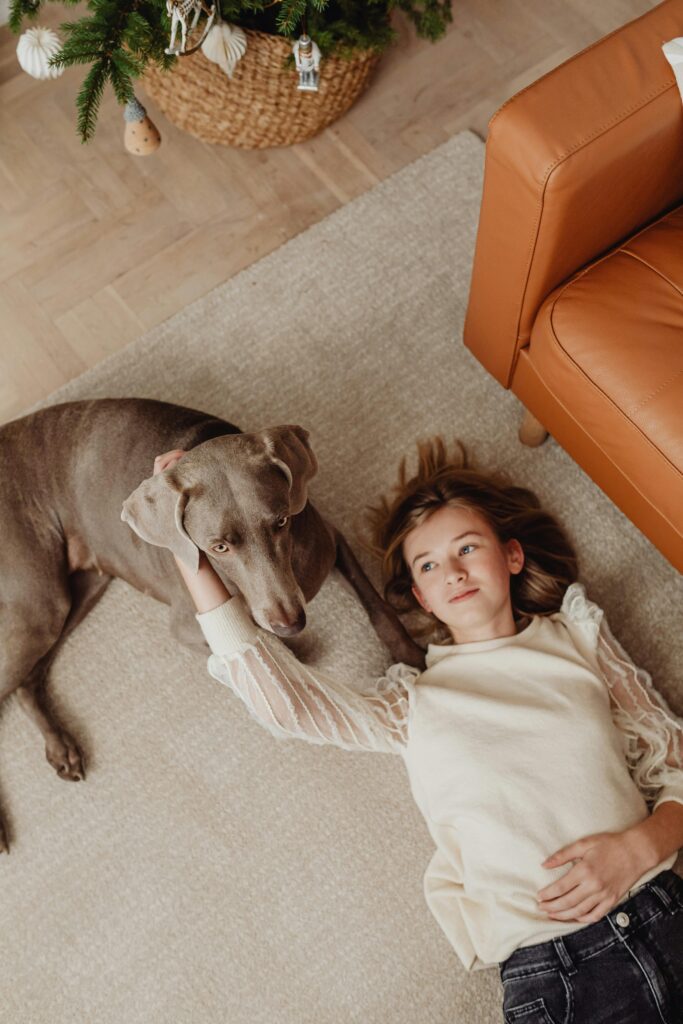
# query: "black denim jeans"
[[625, 969]]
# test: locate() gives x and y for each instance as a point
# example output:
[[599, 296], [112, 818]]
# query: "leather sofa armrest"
[[575, 163]]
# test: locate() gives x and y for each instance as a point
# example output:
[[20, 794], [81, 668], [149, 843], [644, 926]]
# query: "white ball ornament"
[[225, 45], [35, 48]]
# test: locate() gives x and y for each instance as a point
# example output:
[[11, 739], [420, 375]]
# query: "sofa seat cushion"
[[609, 344]]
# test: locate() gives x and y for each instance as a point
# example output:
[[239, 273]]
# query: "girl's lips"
[[463, 597]]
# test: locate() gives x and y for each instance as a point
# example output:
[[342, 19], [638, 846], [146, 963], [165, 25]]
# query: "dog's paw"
[[65, 757]]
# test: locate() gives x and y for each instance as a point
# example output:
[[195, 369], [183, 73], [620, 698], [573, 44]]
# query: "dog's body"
[[67, 470]]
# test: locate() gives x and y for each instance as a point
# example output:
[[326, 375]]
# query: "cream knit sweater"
[[514, 748]]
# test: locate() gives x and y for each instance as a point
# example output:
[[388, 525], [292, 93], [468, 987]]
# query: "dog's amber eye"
[[282, 522], [220, 549]]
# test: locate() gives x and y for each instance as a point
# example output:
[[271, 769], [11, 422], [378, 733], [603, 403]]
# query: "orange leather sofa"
[[576, 301]]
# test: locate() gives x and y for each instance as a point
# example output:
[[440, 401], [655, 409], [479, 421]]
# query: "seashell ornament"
[[141, 136], [225, 45], [34, 49]]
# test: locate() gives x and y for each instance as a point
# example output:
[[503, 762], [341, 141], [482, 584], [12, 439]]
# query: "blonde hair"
[[443, 478]]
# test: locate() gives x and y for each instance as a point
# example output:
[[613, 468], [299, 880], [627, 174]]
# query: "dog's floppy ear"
[[289, 449], [155, 511]]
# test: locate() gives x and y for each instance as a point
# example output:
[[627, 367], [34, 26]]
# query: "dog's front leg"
[[184, 626], [386, 622]]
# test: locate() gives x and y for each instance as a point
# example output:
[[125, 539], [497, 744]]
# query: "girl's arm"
[[661, 834], [284, 696], [292, 700], [652, 733], [610, 862], [653, 742], [205, 586]]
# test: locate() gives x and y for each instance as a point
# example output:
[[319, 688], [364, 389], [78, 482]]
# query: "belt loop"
[[669, 905], [564, 956]]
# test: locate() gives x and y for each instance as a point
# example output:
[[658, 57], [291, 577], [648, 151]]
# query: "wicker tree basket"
[[260, 105]]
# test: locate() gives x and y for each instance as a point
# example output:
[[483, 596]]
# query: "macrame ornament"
[[307, 60], [225, 45], [35, 48], [141, 136]]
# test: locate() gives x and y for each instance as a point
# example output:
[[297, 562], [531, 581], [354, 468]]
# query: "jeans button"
[[622, 920]]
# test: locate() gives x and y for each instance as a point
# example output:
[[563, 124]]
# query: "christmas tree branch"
[[20, 9], [428, 16], [119, 38], [88, 101]]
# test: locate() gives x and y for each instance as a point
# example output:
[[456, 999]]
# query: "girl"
[[532, 744]]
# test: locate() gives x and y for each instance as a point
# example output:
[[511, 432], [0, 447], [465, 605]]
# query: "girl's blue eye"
[[425, 567], [466, 546]]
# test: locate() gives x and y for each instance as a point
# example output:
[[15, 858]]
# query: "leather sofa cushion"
[[576, 162], [609, 344]]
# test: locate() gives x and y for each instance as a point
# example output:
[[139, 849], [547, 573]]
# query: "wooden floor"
[[99, 246]]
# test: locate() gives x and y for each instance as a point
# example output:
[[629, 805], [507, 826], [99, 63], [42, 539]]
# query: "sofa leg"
[[531, 432]]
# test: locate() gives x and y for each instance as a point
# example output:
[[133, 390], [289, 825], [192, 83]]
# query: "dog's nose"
[[290, 628]]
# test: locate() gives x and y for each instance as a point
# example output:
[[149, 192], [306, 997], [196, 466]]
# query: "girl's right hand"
[[167, 460]]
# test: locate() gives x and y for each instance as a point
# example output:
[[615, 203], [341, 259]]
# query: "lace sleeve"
[[652, 734], [291, 700]]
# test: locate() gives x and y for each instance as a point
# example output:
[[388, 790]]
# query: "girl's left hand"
[[608, 863]]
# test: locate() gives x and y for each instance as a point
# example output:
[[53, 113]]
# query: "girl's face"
[[461, 573]]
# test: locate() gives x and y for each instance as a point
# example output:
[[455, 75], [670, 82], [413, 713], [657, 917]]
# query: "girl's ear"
[[420, 599], [515, 555]]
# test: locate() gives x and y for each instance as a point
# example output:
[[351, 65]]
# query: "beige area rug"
[[206, 873]]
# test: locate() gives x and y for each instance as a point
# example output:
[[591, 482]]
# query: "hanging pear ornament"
[[35, 48], [141, 136]]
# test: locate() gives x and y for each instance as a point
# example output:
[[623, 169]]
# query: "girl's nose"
[[455, 570]]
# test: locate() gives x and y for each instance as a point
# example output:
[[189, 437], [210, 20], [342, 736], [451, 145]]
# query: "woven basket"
[[260, 105]]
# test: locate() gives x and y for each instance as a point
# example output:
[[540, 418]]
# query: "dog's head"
[[234, 498]]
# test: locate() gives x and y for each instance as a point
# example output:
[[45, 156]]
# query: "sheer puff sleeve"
[[291, 700], [652, 734]]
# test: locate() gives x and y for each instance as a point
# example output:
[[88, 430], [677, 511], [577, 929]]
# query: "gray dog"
[[68, 470]]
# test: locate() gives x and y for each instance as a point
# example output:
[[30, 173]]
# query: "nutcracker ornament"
[[307, 60]]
